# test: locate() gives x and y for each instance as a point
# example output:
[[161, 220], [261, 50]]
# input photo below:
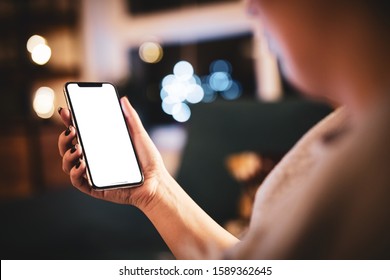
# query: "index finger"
[[65, 116]]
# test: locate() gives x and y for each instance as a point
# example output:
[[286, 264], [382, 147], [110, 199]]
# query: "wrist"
[[160, 193]]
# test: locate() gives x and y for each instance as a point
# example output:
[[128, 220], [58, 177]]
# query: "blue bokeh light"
[[220, 81]]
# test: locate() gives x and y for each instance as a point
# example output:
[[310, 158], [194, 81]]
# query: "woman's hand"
[[148, 155]]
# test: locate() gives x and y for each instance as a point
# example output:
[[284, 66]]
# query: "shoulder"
[[292, 172], [342, 207]]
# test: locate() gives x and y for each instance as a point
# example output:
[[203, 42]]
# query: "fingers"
[[71, 154], [65, 140], [65, 116], [77, 177], [79, 180], [71, 158], [77, 174]]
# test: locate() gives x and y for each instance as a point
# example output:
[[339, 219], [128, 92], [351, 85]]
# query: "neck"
[[362, 74], [362, 95]]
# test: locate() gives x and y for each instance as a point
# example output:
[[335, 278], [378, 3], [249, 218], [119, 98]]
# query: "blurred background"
[[201, 77]]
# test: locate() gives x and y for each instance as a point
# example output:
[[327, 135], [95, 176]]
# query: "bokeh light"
[[168, 80], [181, 112], [220, 65], [34, 41], [183, 87], [220, 81], [209, 94], [233, 92], [150, 52], [180, 88], [43, 103], [195, 93], [183, 70], [39, 49], [41, 54]]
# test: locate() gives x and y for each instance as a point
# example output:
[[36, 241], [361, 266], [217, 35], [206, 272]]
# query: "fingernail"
[[78, 164], [67, 132], [59, 110], [74, 148]]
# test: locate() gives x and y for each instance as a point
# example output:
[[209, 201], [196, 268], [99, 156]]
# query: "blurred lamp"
[[183, 70], [43, 103], [34, 41], [179, 89], [41, 54], [40, 51], [150, 52]]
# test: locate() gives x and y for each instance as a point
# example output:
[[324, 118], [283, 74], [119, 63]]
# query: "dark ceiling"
[[138, 7]]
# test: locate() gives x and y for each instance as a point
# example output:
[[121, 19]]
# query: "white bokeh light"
[[179, 89], [168, 80], [41, 54], [181, 112], [168, 103], [183, 70], [34, 41], [43, 103], [195, 94], [163, 94]]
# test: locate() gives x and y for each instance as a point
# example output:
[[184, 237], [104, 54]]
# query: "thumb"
[[145, 147], [133, 121]]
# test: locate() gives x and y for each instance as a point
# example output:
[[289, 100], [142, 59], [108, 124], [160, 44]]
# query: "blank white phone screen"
[[104, 136]]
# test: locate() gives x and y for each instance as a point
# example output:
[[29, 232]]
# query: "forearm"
[[187, 230]]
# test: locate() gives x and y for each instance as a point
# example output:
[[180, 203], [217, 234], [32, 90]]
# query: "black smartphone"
[[103, 135]]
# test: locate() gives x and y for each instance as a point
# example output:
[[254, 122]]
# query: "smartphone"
[[102, 132]]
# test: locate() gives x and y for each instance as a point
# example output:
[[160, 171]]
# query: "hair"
[[378, 10], [376, 13]]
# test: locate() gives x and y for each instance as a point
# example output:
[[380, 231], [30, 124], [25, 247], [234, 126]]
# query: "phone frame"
[[80, 141]]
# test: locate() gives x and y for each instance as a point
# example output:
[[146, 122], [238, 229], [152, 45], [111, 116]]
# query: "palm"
[[149, 157]]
